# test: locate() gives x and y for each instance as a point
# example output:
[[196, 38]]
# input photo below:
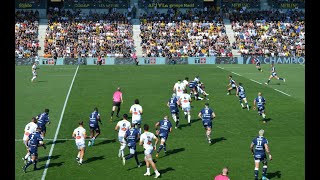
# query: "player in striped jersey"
[[274, 75], [260, 102], [232, 84]]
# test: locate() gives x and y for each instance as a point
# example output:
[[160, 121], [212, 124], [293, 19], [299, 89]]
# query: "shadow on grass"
[[215, 140], [56, 142], [267, 120], [93, 159], [163, 171], [191, 121], [52, 165], [105, 142], [46, 158], [271, 175], [173, 151]]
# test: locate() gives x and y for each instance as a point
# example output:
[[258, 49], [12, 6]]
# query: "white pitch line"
[[58, 128], [255, 81], [282, 92], [220, 67], [235, 73], [68, 139]]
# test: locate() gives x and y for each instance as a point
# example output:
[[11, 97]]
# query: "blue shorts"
[[259, 157], [94, 127], [207, 124], [33, 150]]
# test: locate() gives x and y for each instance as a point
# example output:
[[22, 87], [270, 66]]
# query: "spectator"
[[223, 175]]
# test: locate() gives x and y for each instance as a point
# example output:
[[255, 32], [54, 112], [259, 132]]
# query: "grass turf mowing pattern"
[[189, 154]]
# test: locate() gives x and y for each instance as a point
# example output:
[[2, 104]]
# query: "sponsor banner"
[[152, 60], [24, 61], [201, 60], [29, 5], [275, 60], [226, 60], [289, 5], [240, 4], [46, 61], [177, 60], [128, 60], [95, 5], [175, 5], [75, 61]]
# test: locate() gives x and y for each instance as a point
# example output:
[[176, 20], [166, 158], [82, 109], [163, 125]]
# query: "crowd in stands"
[[26, 33], [176, 34], [269, 33], [72, 34]]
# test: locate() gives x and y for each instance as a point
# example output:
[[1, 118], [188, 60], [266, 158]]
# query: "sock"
[[174, 117], [26, 156], [118, 110], [160, 147], [264, 170], [148, 170], [156, 171], [268, 81], [35, 164], [247, 105], [280, 78], [112, 113], [136, 158], [189, 118], [264, 116], [78, 156], [177, 123], [256, 172], [241, 103], [80, 160], [29, 162], [129, 156], [165, 147], [229, 91], [259, 69]]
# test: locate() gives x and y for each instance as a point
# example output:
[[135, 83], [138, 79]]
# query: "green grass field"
[[189, 154]]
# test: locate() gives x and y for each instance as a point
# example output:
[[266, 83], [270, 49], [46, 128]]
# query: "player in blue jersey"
[[274, 75], [132, 136], [241, 93], [260, 103], [165, 127], [258, 63], [207, 115], [193, 89], [34, 140], [174, 110], [94, 118], [259, 147], [232, 85], [42, 120]]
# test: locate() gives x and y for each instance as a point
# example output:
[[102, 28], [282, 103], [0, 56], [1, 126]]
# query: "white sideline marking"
[[282, 92], [220, 67], [58, 128], [67, 139], [235, 73], [255, 81]]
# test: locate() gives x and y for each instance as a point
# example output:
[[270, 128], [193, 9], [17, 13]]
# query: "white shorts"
[[136, 121], [186, 109], [121, 139], [80, 144], [148, 151]]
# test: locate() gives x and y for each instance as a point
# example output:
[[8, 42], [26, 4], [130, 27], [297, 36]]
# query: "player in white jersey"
[[29, 128], [146, 140], [122, 126], [185, 82], [34, 72], [136, 111], [79, 134], [185, 101], [178, 88]]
